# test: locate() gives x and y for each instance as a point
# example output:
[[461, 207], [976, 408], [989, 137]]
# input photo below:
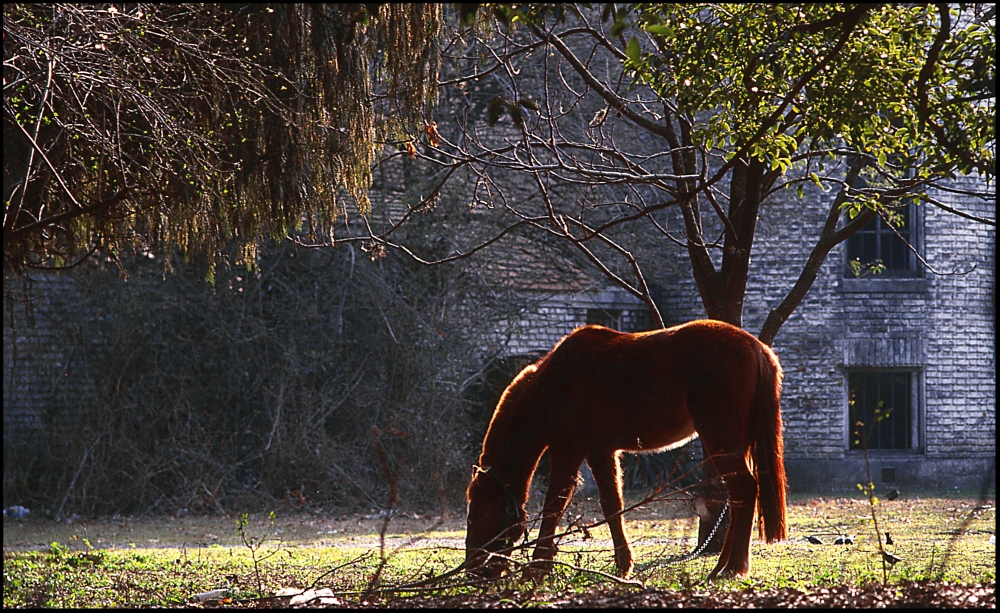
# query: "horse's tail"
[[768, 447]]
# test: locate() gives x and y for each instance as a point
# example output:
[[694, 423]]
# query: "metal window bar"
[[876, 241], [875, 391]]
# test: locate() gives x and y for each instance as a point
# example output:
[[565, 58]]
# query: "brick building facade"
[[921, 342], [47, 358], [911, 346]]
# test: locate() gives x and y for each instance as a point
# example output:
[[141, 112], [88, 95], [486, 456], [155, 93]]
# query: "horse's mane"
[[517, 385]]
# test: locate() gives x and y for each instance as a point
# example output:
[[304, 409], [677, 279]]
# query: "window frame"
[[622, 318], [916, 241], [604, 316], [917, 400]]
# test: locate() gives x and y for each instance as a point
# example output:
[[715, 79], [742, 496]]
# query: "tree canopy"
[[619, 114], [197, 127], [189, 126], [905, 83]]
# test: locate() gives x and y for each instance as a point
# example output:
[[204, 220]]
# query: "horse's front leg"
[[608, 474], [563, 470]]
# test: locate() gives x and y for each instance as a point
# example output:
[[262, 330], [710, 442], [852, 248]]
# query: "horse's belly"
[[659, 441], [645, 434], [629, 415]]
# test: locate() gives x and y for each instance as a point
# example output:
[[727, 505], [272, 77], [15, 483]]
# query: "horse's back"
[[703, 342], [651, 389], [603, 388]]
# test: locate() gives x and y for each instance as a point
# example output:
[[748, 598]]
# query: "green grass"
[[114, 563]]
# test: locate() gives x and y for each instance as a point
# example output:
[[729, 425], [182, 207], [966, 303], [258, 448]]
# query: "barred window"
[[610, 318], [623, 320], [883, 403], [877, 244]]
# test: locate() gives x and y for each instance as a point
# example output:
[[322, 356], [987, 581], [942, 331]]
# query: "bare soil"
[[912, 595]]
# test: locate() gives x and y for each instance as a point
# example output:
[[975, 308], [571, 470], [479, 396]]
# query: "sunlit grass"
[[114, 563]]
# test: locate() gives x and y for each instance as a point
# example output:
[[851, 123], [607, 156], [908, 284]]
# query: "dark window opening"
[[623, 320], [877, 244], [883, 403], [610, 318]]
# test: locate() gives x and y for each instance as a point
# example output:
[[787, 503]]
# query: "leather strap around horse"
[[511, 515]]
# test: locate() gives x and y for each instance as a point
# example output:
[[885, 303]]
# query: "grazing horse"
[[600, 392]]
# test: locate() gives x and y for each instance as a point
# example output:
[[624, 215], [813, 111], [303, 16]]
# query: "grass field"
[[164, 562]]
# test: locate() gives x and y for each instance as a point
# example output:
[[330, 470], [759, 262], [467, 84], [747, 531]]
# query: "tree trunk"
[[723, 301]]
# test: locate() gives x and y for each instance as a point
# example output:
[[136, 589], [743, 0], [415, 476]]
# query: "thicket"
[[326, 378]]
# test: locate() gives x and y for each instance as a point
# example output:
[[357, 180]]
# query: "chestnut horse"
[[600, 392]]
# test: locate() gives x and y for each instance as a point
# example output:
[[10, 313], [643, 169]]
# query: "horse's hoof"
[[488, 570], [624, 566], [728, 573], [487, 574], [624, 571], [537, 570]]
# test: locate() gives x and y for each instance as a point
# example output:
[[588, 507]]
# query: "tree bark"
[[722, 295]]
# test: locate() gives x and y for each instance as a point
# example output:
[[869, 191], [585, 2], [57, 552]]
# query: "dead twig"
[[79, 469]]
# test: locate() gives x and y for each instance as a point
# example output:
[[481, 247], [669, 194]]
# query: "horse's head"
[[496, 522]]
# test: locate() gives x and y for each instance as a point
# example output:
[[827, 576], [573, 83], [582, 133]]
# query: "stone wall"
[[46, 363], [558, 314], [939, 326]]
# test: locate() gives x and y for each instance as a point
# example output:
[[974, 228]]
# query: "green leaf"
[[815, 179], [616, 28], [606, 13], [517, 115], [467, 12], [632, 51], [663, 30], [495, 110]]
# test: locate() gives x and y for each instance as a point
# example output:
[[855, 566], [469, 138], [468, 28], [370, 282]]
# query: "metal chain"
[[697, 552]]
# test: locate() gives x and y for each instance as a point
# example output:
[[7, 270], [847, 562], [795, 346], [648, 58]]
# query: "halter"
[[511, 514]]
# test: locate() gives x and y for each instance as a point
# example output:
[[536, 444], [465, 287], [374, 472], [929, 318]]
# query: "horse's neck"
[[512, 449]]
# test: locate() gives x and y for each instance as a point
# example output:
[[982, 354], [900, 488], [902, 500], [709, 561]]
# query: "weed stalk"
[[383, 461], [872, 501], [254, 544]]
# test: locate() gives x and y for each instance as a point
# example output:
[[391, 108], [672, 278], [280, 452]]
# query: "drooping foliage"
[[187, 126]]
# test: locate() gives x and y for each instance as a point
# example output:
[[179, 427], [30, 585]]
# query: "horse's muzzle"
[[485, 565]]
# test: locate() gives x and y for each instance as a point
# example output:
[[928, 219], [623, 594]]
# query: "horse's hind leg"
[[563, 471], [742, 488], [607, 473]]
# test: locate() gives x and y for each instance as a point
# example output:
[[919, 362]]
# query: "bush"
[[280, 385]]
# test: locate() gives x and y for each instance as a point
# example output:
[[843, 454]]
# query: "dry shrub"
[[277, 386]]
